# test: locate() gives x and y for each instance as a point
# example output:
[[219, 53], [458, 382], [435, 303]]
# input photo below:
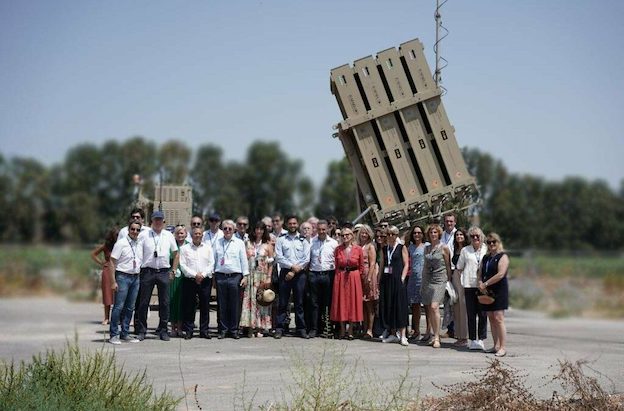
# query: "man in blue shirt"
[[231, 272], [293, 255]]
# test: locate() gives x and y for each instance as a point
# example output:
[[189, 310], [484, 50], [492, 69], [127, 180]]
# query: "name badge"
[[222, 261], [387, 270]]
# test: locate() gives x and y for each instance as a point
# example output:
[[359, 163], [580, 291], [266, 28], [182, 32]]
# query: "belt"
[[157, 270], [229, 274], [323, 272]]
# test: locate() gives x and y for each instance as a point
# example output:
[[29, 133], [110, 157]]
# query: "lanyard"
[[155, 242], [224, 247], [321, 249], [133, 253], [390, 254]]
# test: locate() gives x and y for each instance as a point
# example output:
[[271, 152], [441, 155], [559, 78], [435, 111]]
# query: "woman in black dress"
[[494, 279], [392, 291]]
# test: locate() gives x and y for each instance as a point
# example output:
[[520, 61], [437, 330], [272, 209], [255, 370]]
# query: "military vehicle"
[[398, 139]]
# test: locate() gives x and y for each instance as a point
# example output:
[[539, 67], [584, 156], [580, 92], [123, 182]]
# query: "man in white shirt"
[[321, 276], [126, 258], [214, 233], [278, 229], [293, 255], [137, 214], [159, 248], [197, 265], [448, 237], [231, 272]]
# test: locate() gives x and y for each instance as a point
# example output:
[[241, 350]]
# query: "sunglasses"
[[242, 224], [490, 242], [196, 224], [418, 232], [136, 217], [475, 236], [227, 229], [134, 230]]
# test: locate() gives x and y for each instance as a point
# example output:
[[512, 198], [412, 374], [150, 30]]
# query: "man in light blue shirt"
[[231, 272], [293, 255]]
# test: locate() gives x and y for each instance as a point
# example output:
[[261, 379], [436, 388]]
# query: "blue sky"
[[537, 84]]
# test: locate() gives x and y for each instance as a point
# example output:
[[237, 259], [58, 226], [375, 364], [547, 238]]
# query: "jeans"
[[125, 297]]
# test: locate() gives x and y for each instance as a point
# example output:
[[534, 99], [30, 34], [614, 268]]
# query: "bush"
[[72, 380]]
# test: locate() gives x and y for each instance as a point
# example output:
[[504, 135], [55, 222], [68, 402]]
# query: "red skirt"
[[107, 291], [347, 298]]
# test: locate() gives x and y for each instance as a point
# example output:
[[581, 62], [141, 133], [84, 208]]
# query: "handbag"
[[486, 297]]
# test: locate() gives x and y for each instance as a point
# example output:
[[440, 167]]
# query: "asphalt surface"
[[223, 372]]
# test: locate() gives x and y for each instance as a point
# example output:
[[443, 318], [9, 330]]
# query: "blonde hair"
[[365, 228], [474, 230], [435, 227], [499, 242]]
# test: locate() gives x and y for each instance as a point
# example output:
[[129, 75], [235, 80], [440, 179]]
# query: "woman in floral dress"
[[255, 317]]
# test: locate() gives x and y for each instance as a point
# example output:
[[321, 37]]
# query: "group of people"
[[348, 281]]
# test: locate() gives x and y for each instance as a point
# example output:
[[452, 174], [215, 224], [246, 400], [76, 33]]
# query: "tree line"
[[92, 189]]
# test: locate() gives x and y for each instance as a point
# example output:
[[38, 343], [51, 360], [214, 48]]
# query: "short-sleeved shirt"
[[128, 255], [163, 243]]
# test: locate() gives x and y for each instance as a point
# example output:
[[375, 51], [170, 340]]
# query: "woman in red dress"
[[346, 305], [107, 274]]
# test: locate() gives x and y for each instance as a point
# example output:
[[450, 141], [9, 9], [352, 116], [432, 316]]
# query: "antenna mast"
[[441, 62]]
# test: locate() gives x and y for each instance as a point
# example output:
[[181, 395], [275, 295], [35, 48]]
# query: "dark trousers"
[[473, 310], [149, 278], [320, 287], [228, 299], [297, 286], [190, 291]]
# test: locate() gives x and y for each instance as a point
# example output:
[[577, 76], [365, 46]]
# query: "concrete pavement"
[[218, 367]]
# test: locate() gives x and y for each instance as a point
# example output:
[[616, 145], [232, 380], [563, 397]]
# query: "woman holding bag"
[[494, 281]]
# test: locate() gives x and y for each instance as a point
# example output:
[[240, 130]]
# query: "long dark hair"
[[266, 236], [111, 238], [456, 248]]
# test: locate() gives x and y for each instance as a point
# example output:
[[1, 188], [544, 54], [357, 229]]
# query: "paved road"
[[218, 367]]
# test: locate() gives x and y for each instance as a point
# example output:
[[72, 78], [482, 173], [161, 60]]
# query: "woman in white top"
[[467, 268]]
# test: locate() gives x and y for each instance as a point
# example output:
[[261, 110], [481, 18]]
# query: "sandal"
[[492, 350], [500, 353], [436, 343], [460, 343]]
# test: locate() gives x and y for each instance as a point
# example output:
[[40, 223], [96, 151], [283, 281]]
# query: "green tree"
[[174, 158], [207, 178], [337, 195]]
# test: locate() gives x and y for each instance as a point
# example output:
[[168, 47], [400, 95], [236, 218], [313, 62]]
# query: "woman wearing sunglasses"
[[494, 279]]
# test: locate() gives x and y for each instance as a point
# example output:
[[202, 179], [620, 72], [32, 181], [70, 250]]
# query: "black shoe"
[[140, 336], [205, 335], [221, 335], [236, 336], [188, 335], [312, 334], [278, 334], [164, 335], [303, 334]]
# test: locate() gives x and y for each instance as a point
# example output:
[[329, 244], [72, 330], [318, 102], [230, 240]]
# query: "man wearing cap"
[[159, 246], [214, 233], [293, 255], [197, 264], [231, 272]]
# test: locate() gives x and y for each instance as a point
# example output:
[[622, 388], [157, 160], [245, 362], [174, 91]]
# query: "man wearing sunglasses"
[[138, 215], [214, 233]]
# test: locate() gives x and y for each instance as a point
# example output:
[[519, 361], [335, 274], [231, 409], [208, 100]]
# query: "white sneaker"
[[384, 335], [472, 345], [129, 339], [115, 340], [391, 339], [404, 342], [480, 345]]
